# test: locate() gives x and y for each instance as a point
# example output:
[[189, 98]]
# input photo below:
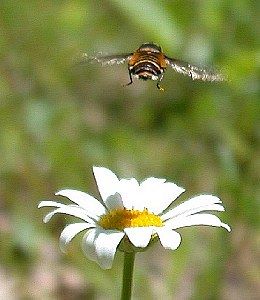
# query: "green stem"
[[129, 259]]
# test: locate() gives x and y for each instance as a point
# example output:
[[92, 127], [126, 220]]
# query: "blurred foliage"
[[58, 119]]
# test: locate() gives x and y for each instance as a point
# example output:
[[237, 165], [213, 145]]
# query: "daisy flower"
[[130, 213]]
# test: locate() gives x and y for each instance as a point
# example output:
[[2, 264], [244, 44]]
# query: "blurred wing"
[[107, 60], [194, 72]]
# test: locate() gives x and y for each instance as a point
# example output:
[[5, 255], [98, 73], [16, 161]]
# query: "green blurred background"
[[58, 119]]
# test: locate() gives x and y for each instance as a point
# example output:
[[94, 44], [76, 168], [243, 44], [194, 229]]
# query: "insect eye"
[[150, 47]]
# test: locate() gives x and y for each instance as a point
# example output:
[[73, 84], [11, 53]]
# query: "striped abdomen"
[[147, 65]]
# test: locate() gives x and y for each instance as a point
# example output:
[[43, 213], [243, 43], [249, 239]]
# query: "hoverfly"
[[149, 62]]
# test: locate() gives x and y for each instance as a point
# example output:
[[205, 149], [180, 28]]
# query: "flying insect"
[[148, 62]]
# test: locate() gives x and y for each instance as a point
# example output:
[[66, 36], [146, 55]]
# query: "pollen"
[[124, 218]]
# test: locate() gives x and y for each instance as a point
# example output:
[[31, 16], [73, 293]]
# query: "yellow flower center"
[[124, 218]]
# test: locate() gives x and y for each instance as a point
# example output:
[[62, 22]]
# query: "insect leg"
[[130, 77], [160, 77]]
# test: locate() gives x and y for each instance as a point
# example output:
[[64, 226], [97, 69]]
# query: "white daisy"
[[130, 212]]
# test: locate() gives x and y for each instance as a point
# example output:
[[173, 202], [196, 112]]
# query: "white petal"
[[69, 210], [88, 244], [69, 233], [169, 238], [50, 204], [194, 205], [106, 244], [92, 206], [151, 180], [128, 189], [158, 195], [198, 219], [139, 236], [107, 182]]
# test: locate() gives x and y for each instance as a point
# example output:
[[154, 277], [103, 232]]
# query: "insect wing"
[[107, 60], [194, 72]]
